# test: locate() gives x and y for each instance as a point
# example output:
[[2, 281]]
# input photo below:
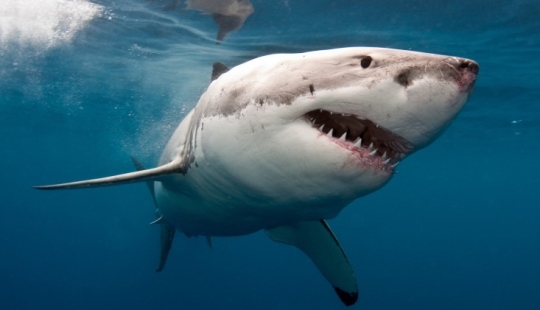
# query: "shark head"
[[329, 123]]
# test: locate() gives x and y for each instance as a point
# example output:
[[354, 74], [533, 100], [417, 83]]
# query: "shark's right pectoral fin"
[[178, 165], [317, 240]]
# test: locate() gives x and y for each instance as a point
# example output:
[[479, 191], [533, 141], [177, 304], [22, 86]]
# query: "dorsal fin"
[[218, 69], [175, 166]]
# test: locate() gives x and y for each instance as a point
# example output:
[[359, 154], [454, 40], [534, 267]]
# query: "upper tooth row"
[[332, 113], [337, 113]]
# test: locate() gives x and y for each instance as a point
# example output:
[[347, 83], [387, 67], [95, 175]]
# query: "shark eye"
[[365, 62]]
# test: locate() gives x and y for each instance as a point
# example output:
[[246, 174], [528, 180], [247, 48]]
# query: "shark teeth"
[[360, 133]]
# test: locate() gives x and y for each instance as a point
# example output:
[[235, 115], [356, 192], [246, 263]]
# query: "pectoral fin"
[[317, 240], [167, 237], [166, 231], [176, 166]]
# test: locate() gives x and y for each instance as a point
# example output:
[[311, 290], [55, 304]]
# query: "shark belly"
[[230, 191], [212, 212]]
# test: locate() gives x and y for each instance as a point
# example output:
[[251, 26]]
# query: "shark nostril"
[[473, 67], [464, 65]]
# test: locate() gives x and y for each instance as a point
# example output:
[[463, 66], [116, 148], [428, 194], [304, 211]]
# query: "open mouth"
[[369, 139]]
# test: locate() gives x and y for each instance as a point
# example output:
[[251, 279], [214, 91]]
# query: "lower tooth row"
[[358, 144]]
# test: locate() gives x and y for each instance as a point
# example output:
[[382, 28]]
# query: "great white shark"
[[284, 142]]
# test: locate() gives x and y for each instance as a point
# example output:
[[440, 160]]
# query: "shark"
[[284, 142]]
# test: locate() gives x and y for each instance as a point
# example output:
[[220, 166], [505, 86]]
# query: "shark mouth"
[[373, 142]]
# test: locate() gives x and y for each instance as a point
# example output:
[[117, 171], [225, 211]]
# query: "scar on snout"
[[311, 88]]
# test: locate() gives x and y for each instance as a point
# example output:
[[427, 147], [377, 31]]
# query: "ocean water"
[[86, 84]]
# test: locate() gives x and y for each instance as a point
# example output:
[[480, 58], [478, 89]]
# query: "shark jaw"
[[374, 146]]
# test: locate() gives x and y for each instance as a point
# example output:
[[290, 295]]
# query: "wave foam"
[[44, 23]]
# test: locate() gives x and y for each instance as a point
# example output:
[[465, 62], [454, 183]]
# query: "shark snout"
[[461, 70], [466, 72]]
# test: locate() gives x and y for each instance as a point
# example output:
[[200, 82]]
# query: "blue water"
[[84, 85]]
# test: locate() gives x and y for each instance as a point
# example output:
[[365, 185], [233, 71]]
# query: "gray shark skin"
[[284, 142]]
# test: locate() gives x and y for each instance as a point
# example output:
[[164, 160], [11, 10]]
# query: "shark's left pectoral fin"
[[166, 231], [149, 184], [167, 237], [317, 240]]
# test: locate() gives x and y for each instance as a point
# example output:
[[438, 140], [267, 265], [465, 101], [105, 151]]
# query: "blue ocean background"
[[84, 85]]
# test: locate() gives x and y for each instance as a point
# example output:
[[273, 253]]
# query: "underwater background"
[[86, 84]]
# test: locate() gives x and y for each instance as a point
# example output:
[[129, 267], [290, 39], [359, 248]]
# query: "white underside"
[[285, 172]]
